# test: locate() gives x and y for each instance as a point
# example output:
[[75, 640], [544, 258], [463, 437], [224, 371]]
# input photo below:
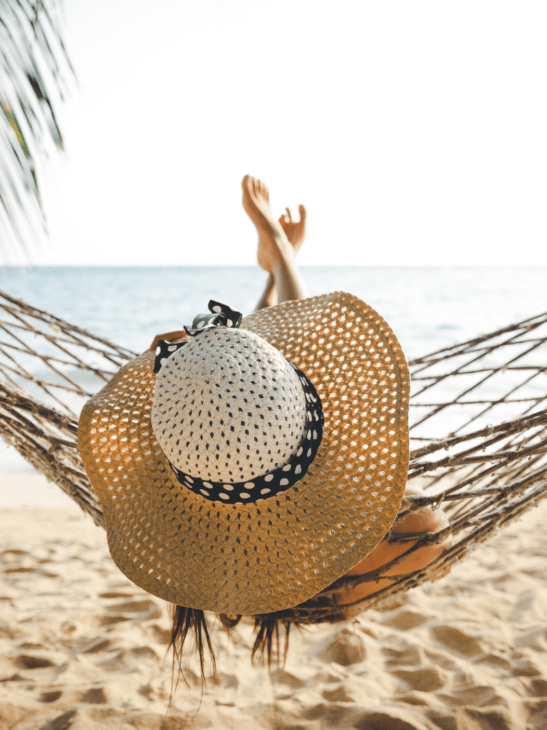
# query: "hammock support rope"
[[487, 398]]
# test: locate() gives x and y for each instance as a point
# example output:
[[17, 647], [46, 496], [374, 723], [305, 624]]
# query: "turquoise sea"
[[427, 307]]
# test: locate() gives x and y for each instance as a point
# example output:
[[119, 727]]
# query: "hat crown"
[[205, 372], [228, 407]]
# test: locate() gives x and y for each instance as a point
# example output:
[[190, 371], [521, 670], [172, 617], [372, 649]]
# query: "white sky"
[[414, 132]]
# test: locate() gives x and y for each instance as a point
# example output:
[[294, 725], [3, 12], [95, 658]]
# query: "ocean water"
[[427, 307]]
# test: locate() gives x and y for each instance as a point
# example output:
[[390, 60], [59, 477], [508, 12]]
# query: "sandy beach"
[[83, 648]]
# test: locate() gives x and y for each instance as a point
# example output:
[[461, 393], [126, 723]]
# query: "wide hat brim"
[[275, 553]]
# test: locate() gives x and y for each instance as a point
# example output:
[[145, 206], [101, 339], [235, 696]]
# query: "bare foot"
[[294, 230], [272, 239]]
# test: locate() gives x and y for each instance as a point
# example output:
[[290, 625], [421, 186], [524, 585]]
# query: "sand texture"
[[81, 648]]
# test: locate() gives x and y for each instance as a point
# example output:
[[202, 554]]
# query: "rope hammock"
[[478, 431]]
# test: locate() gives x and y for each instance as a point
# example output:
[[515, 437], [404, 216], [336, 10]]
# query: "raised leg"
[[276, 252]]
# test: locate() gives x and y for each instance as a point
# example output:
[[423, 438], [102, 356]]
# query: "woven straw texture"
[[276, 553]]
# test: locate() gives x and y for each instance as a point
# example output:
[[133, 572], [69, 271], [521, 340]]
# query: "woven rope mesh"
[[477, 413], [48, 369]]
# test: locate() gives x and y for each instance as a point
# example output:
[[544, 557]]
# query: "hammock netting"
[[478, 427]]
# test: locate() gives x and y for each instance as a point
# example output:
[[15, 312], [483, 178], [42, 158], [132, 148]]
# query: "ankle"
[[286, 251]]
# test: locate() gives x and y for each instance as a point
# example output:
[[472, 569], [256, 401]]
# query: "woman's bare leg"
[[296, 233], [276, 253], [269, 295]]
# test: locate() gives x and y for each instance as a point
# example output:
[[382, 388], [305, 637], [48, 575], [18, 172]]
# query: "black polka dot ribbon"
[[277, 481], [164, 350], [221, 316]]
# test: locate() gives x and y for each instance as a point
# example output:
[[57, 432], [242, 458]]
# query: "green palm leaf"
[[33, 71]]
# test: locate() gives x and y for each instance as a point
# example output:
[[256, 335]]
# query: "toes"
[[255, 187], [264, 190]]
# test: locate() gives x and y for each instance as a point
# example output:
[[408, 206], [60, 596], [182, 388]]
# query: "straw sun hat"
[[249, 465]]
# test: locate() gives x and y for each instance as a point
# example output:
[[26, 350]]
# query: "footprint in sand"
[[94, 696], [31, 661], [493, 659], [96, 646], [138, 606], [475, 717], [478, 696], [538, 687], [442, 660], [535, 638], [529, 605], [528, 667], [22, 561], [50, 696], [130, 659], [330, 716], [19, 569], [346, 647], [339, 693], [111, 620], [330, 674], [456, 640], [408, 656], [283, 677], [144, 609], [393, 718], [353, 688], [157, 633], [406, 620], [14, 551], [426, 679]]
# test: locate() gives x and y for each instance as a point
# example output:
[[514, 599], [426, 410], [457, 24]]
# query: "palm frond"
[[34, 67]]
